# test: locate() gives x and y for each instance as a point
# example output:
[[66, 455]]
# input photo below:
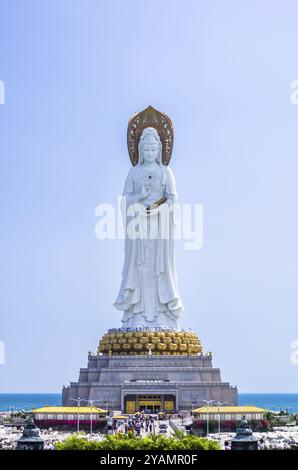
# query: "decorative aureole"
[[150, 117]]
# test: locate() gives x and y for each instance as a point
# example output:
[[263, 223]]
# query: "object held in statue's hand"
[[160, 201]]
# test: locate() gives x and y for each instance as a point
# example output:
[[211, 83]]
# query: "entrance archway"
[[150, 403]]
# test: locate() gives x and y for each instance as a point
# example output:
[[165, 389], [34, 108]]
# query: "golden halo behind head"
[[150, 117]]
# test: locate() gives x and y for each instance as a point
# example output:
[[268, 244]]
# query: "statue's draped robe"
[[149, 294]]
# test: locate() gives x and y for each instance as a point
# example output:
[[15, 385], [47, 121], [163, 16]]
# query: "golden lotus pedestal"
[[150, 342]]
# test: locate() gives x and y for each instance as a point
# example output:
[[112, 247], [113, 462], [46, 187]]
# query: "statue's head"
[[150, 146]]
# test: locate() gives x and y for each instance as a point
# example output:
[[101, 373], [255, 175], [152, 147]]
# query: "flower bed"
[[64, 424], [229, 426]]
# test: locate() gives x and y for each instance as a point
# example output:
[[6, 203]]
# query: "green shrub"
[[123, 442]]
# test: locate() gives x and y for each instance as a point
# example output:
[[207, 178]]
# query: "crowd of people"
[[139, 424]]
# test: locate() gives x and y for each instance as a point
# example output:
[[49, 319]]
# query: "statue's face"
[[150, 149]]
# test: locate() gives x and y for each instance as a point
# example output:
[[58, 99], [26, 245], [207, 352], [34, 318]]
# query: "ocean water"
[[27, 401], [272, 401]]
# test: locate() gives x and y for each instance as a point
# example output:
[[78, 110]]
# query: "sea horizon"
[[27, 401]]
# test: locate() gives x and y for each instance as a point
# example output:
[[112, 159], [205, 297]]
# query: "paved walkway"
[[155, 429]]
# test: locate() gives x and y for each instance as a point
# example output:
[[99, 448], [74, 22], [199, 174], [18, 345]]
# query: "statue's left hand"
[[152, 208]]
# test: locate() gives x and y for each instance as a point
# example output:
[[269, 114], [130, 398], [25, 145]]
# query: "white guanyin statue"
[[149, 294]]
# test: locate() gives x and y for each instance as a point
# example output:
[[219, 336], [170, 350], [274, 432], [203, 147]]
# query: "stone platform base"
[[134, 382]]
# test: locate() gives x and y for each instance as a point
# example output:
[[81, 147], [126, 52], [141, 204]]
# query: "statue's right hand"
[[144, 193]]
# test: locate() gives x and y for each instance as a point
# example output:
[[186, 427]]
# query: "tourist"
[[261, 444], [138, 429], [227, 445]]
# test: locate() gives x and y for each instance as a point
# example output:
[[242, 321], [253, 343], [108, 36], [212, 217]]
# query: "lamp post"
[[207, 423], [219, 404], [91, 402], [106, 403], [78, 400]]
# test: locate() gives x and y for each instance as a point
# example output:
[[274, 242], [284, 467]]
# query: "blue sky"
[[74, 72]]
